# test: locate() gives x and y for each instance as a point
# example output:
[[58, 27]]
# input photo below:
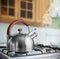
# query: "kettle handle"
[[14, 22]]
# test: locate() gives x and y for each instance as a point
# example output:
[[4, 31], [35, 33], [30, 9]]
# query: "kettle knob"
[[19, 30]]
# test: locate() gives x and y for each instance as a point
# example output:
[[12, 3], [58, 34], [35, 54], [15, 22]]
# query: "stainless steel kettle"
[[20, 41]]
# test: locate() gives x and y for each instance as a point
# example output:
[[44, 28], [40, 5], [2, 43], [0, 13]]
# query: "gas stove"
[[39, 52]]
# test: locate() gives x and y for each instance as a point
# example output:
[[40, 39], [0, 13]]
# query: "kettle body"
[[20, 42]]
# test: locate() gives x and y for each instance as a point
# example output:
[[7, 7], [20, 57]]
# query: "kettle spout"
[[33, 34]]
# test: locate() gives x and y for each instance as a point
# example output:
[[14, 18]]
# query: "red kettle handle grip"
[[13, 23]]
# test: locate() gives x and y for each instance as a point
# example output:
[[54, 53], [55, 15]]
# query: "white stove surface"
[[42, 56]]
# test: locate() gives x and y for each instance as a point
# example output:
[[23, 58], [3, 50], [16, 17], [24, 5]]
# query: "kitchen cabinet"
[[41, 7], [30, 11]]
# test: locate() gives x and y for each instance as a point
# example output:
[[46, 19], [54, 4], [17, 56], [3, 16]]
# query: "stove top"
[[38, 50]]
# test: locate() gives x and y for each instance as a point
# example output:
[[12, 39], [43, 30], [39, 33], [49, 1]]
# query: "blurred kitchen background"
[[46, 35]]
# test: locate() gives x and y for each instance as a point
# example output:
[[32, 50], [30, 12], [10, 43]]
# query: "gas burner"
[[13, 54], [46, 48], [21, 53]]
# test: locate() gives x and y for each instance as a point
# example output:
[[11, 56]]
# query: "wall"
[[47, 36], [55, 23]]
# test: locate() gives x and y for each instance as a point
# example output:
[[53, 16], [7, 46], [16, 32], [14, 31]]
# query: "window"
[[19, 9], [4, 2], [23, 5], [11, 3], [4, 10], [29, 6], [26, 8], [7, 7], [30, 0], [11, 11], [23, 13], [55, 8]]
